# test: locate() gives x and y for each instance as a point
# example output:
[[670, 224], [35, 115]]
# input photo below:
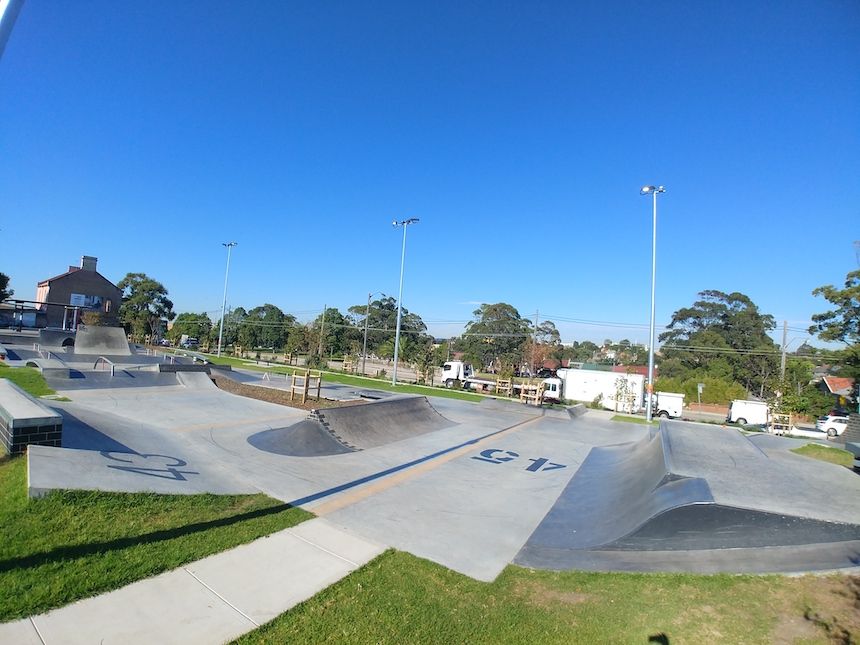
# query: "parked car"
[[832, 425], [545, 372]]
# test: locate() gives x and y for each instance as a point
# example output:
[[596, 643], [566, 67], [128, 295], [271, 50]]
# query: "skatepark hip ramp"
[[355, 427], [688, 488], [109, 341]]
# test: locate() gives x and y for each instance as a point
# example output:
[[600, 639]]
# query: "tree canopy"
[[5, 292], [842, 323], [190, 324], [723, 335], [144, 304], [497, 334]]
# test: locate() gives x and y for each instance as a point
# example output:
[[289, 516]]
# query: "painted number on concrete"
[[160, 466], [497, 456], [492, 455]]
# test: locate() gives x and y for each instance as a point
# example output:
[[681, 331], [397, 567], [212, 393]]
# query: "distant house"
[[65, 297], [840, 387]]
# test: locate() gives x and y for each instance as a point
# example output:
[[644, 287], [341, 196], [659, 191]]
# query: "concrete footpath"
[[209, 601]]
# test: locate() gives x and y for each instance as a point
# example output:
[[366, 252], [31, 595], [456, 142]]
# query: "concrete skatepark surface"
[[471, 486]]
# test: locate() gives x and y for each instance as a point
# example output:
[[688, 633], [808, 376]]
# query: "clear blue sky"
[[148, 133]]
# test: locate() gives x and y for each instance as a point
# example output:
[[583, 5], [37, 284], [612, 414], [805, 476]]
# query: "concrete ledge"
[[25, 421]]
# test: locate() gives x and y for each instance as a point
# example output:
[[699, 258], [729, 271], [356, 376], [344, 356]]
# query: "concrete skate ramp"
[[382, 422], [56, 338], [108, 341], [195, 380], [355, 427], [308, 438], [691, 488]]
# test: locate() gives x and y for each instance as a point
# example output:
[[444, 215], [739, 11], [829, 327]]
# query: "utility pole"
[[364, 353], [322, 329], [782, 362]]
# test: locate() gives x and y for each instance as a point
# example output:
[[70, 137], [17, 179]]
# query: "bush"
[[597, 403]]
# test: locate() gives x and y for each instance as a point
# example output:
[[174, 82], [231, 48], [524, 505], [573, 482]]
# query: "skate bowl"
[[355, 427], [698, 493], [96, 341]]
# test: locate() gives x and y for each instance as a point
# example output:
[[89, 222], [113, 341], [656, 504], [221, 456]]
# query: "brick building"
[[65, 297]]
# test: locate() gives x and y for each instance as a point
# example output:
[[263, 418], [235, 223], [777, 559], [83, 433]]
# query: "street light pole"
[[229, 246], [652, 190], [405, 224]]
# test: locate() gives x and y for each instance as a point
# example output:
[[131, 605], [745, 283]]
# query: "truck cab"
[[455, 371]]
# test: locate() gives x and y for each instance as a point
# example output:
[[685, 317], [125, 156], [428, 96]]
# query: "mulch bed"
[[281, 397]]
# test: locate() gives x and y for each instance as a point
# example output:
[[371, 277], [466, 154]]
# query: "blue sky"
[[147, 134]]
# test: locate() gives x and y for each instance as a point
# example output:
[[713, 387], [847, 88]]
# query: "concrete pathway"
[[209, 601]]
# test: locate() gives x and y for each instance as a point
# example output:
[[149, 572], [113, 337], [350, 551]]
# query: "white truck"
[[616, 391], [669, 405], [454, 371], [755, 413]]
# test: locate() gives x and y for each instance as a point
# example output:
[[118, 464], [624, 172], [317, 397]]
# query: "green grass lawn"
[[70, 545], [398, 598], [27, 378], [825, 453]]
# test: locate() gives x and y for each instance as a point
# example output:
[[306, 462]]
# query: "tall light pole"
[[652, 190], [404, 224], [229, 246], [366, 319]]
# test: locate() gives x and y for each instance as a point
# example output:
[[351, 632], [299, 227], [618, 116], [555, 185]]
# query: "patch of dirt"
[[833, 607], [793, 629], [281, 397], [819, 606], [538, 595]]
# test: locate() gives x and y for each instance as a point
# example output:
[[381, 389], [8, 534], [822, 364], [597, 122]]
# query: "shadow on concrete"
[[79, 434]]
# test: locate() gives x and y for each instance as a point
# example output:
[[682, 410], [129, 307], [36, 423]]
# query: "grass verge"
[[825, 453], [398, 598], [70, 545], [28, 379]]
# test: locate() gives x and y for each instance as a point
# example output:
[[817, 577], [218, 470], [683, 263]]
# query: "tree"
[[190, 324], [5, 292], [498, 333], [382, 326], [842, 324], [265, 326], [722, 332], [144, 304]]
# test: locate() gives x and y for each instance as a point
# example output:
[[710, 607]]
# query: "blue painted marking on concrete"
[[389, 471], [536, 464], [489, 456], [553, 466]]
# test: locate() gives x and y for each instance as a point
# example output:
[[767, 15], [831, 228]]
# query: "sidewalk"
[[209, 601]]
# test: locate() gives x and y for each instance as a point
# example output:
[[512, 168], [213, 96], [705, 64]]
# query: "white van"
[[754, 413]]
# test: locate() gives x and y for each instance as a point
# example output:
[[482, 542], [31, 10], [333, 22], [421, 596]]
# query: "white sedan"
[[832, 425]]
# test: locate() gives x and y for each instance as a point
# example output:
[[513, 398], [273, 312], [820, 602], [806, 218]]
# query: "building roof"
[[839, 385], [62, 275]]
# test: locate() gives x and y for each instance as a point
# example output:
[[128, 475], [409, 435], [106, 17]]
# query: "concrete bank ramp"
[[662, 494], [195, 380], [355, 427], [107, 341]]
